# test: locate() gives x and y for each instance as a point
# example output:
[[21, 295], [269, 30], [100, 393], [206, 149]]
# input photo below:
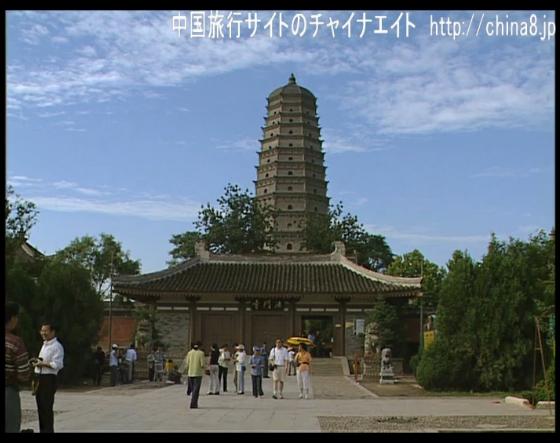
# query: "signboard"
[[429, 337], [359, 326]]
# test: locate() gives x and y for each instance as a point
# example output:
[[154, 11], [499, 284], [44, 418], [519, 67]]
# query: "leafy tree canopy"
[[414, 264], [320, 231], [102, 257], [238, 225]]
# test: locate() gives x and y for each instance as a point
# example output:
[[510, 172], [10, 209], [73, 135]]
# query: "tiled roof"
[[278, 274]]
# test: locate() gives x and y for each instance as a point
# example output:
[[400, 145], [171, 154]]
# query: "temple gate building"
[[256, 298]]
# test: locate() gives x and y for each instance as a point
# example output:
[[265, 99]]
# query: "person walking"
[[257, 365], [17, 371], [264, 353], [159, 358], [223, 365], [240, 367], [213, 367], [50, 362], [131, 356], [278, 359], [150, 362], [99, 364], [194, 366], [303, 371], [114, 364], [234, 359]]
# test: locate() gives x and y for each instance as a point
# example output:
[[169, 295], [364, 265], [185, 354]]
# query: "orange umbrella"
[[296, 341]]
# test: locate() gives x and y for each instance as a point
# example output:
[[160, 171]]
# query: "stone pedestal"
[[386, 376]]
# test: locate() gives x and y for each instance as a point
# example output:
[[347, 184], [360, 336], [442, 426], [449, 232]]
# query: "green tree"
[[21, 287], [21, 216], [450, 361], [320, 231], [509, 284], [65, 296], [414, 264], [485, 317], [184, 246], [238, 225], [388, 325], [102, 258]]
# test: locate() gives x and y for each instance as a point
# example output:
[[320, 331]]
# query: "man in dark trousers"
[[194, 365], [17, 370], [51, 360], [264, 352], [99, 365]]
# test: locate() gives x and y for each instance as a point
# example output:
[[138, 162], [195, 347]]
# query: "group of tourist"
[[278, 360], [122, 364], [50, 361]]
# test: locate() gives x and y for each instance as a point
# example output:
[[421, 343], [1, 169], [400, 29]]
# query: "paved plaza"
[[338, 404]]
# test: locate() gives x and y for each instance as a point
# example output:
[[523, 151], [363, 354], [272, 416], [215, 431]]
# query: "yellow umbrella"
[[296, 341]]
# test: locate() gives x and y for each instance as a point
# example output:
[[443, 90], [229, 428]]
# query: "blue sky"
[[118, 124]]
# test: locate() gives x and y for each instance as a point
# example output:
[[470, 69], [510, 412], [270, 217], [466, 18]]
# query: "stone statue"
[[386, 363], [386, 374]]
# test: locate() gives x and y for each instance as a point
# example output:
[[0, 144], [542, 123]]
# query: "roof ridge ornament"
[[292, 80], [201, 251], [339, 251]]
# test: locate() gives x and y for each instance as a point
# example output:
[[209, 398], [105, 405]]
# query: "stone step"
[[326, 367]]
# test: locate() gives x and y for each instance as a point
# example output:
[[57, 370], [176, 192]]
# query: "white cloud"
[[243, 144], [502, 172], [337, 144], [392, 233], [407, 86], [34, 34], [179, 210], [59, 39], [431, 85], [63, 184], [69, 196]]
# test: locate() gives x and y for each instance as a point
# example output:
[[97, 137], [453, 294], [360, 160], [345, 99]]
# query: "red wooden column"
[[242, 319], [292, 310], [193, 319], [342, 301]]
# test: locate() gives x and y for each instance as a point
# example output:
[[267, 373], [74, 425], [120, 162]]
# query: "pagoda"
[[291, 171]]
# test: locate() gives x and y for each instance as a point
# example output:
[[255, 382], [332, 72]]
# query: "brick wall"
[[173, 330]]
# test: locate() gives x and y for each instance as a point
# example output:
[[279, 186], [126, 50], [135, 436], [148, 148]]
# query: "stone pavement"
[[136, 408]]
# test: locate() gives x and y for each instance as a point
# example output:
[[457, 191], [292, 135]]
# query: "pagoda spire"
[[292, 80]]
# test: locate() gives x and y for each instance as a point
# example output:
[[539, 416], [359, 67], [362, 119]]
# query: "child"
[[168, 368], [257, 366]]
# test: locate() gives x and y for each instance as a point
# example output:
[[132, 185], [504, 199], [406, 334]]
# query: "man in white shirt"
[[223, 365], [51, 360], [279, 358], [131, 358]]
